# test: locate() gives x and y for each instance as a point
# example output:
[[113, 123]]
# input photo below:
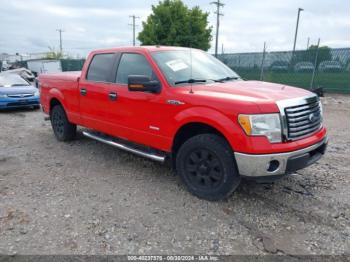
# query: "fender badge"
[[175, 102]]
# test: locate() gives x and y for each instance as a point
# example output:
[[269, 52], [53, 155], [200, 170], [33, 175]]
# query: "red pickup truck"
[[185, 105]]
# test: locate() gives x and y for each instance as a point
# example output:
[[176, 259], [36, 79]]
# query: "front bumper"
[[19, 103], [270, 165]]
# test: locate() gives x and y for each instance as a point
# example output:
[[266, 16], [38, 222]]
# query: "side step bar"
[[107, 140]]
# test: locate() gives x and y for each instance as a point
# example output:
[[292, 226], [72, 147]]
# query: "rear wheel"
[[206, 165], [62, 128]]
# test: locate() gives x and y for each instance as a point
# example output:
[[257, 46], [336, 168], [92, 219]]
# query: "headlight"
[[37, 93], [3, 96], [268, 125]]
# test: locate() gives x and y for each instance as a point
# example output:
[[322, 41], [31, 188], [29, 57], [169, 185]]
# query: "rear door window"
[[133, 64], [100, 68]]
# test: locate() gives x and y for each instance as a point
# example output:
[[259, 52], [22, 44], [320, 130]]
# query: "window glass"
[[133, 64], [181, 65], [100, 68], [9, 80]]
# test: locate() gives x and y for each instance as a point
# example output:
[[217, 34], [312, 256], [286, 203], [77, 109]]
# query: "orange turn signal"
[[136, 86], [244, 121]]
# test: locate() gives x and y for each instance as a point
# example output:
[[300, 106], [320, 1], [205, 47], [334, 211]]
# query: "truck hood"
[[252, 91], [250, 96]]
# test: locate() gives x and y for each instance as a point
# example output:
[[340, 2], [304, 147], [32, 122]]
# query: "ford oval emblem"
[[312, 118]]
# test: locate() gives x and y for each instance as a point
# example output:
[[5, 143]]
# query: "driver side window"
[[133, 64]]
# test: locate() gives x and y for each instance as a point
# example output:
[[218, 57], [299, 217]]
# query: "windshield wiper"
[[190, 81], [228, 78]]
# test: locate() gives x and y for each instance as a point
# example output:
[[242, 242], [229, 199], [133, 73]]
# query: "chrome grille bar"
[[304, 112], [301, 117], [20, 95]]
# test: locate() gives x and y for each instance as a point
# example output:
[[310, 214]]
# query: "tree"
[[173, 23], [52, 54]]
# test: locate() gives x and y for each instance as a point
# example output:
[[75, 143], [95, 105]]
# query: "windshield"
[[8, 80], [176, 66]]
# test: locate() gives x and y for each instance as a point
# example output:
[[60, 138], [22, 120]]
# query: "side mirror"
[[140, 83]]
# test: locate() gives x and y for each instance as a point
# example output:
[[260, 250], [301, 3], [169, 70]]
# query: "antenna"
[[191, 90]]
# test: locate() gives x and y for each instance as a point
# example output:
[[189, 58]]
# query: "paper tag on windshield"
[[177, 65]]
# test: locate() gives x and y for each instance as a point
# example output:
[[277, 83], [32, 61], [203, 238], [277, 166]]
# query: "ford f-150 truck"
[[185, 105]]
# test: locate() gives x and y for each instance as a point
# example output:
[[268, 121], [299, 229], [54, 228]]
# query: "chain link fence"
[[311, 68]]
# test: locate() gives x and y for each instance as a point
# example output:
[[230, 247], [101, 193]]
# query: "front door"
[[135, 114]]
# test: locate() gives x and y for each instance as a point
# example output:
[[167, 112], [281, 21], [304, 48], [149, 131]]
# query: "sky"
[[29, 26]]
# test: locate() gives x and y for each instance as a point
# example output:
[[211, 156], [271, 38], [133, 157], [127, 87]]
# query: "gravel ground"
[[85, 197]]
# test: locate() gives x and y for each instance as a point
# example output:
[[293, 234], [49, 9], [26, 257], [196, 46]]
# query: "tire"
[[62, 128], [206, 165]]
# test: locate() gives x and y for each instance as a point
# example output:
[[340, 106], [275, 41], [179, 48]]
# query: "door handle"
[[83, 91], [112, 96]]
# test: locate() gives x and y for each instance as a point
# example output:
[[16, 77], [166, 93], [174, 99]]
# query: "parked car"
[[330, 66], [159, 103], [44, 66], [4, 66], [15, 92], [279, 66], [22, 72], [304, 67], [348, 68]]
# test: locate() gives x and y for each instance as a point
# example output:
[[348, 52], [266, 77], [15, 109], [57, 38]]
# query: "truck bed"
[[72, 76], [62, 86]]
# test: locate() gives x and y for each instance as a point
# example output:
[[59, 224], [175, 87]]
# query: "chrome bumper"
[[260, 165]]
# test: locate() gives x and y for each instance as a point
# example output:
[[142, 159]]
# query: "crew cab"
[[185, 105]]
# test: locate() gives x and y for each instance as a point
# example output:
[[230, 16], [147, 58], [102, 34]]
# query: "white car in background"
[[330, 66], [22, 72], [304, 67]]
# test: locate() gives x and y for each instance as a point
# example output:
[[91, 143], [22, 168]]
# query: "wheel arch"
[[199, 120], [191, 129], [53, 102], [56, 98]]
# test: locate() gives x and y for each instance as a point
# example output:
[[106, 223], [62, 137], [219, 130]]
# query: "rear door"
[[93, 91]]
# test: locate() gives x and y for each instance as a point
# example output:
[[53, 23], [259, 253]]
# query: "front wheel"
[[63, 129], [206, 165]]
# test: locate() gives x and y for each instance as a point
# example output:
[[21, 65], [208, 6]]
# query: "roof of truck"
[[135, 48]]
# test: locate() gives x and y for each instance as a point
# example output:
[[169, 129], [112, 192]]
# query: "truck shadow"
[[108, 158]]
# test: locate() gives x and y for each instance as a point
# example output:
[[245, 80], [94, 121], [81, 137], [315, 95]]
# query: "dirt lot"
[[85, 197]]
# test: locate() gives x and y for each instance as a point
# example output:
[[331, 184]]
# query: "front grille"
[[303, 119], [24, 103], [20, 95]]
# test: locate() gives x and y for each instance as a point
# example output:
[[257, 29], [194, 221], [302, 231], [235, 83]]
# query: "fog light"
[[273, 166]]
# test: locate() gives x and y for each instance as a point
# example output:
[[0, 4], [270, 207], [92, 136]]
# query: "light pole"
[[218, 14], [60, 32], [133, 28], [296, 31]]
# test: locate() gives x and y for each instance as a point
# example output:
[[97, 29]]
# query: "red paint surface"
[[132, 114]]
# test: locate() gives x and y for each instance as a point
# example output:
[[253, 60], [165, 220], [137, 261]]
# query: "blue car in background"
[[15, 92]]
